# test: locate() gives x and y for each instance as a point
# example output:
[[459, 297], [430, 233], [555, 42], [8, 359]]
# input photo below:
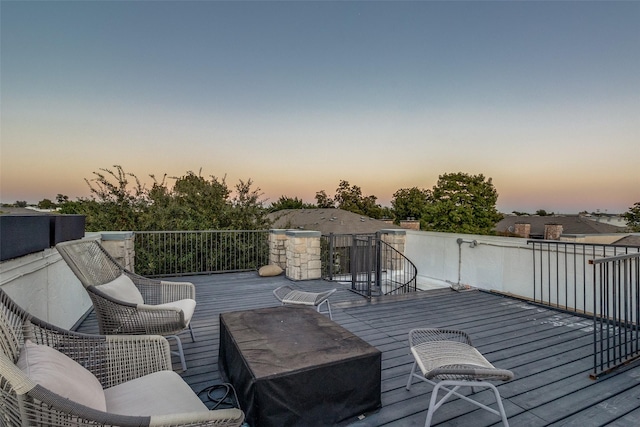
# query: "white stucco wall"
[[494, 263], [42, 284]]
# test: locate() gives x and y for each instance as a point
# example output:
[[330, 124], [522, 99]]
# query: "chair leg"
[[328, 306], [193, 337], [411, 375], [434, 404], [180, 353]]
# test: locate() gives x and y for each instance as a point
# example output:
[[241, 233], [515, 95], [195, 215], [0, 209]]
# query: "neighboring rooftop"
[[328, 220], [571, 224]]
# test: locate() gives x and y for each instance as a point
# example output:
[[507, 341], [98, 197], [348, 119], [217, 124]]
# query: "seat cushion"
[[160, 393], [123, 289], [62, 375], [187, 306]]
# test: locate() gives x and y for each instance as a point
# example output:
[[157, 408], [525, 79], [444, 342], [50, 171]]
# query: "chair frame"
[[448, 357], [94, 266], [288, 295], [112, 359]]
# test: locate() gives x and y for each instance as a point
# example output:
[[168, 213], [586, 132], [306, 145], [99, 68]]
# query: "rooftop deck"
[[549, 352]]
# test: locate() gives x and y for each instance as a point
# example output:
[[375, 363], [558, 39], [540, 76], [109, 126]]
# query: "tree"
[[21, 204], [285, 202], [248, 210], [633, 217], [193, 203], [410, 203], [46, 204], [349, 198], [462, 203], [324, 201], [542, 212]]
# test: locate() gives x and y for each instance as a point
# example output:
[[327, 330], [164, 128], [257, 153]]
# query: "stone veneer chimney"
[[552, 231], [522, 229]]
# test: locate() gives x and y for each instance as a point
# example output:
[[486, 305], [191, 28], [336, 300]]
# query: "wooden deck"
[[549, 353]]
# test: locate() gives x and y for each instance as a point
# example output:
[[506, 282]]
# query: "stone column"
[[394, 237], [120, 245], [303, 255], [278, 248]]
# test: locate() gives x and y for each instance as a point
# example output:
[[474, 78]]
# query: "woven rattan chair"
[[130, 375], [448, 359], [287, 295], [149, 307]]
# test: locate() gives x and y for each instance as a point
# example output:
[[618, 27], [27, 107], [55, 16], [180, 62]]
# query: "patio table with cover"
[[292, 366]]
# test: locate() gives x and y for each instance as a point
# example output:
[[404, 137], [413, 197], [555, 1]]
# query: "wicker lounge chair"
[[127, 303], [449, 358], [287, 295], [53, 377]]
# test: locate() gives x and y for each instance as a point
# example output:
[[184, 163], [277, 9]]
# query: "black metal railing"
[[562, 278], [372, 266], [175, 253], [616, 317]]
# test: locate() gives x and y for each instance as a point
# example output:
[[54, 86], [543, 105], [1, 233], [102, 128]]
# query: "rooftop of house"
[[571, 224], [550, 352], [328, 220]]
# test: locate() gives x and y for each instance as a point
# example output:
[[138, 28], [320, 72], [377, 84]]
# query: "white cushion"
[[187, 306], [270, 270], [62, 375], [123, 289], [160, 393]]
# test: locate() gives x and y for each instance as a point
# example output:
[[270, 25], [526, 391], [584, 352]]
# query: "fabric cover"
[[62, 375], [123, 289], [160, 393], [188, 306], [270, 270], [292, 366]]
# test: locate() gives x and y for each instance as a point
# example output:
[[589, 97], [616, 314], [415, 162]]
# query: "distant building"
[[327, 221]]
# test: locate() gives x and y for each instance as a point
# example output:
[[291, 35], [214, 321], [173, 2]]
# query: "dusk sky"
[[541, 96]]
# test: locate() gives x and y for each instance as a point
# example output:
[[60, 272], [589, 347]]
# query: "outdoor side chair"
[[288, 295], [50, 376], [127, 303], [447, 358]]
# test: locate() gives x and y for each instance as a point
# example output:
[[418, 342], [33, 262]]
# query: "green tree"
[[46, 204], [324, 201], [632, 216], [21, 204], [462, 203], [285, 202], [349, 198], [248, 209], [542, 212], [409, 203]]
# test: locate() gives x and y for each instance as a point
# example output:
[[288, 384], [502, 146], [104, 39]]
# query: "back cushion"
[[62, 375], [122, 289]]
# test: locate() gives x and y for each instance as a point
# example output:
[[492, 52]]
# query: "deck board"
[[548, 351]]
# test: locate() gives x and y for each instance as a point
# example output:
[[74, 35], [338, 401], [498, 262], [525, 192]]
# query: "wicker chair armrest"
[[156, 291], [132, 356], [219, 417], [421, 335]]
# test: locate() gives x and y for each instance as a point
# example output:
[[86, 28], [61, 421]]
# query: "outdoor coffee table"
[[292, 366]]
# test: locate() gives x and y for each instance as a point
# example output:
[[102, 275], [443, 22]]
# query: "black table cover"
[[292, 366]]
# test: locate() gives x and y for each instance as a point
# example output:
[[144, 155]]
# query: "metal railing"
[[616, 317], [176, 253], [372, 266], [562, 278]]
